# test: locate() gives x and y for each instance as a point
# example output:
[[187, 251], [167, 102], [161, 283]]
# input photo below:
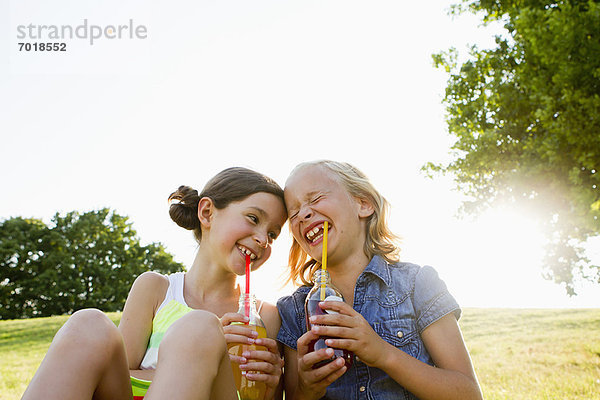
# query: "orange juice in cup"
[[248, 389]]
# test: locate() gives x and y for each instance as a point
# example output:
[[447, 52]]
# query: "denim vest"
[[399, 301]]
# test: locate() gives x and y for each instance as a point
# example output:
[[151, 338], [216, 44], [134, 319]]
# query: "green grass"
[[23, 344], [535, 354], [518, 354]]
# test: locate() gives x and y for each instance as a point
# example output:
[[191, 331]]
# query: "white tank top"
[[175, 290], [174, 294]]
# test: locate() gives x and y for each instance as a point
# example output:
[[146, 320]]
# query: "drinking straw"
[[247, 301], [324, 261]]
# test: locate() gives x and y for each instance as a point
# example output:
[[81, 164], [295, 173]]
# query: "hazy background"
[[266, 85]]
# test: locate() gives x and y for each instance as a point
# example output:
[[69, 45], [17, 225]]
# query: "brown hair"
[[231, 184], [380, 239]]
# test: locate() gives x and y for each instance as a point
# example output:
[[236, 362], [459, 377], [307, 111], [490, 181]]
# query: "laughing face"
[[313, 196], [246, 227]]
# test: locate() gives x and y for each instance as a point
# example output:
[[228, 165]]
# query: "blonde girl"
[[398, 318]]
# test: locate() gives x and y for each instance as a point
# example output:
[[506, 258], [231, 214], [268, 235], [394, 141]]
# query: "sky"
[[121, 122]]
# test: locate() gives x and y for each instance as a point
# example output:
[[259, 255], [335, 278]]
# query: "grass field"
[[518, 354]]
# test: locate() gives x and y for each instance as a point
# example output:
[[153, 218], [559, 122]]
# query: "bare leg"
[[86, 359], [193, 362]]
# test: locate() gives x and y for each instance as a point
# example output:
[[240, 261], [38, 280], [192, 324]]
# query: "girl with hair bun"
[[174, 331]]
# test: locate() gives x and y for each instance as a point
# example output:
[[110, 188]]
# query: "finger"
[[333, 376], [237, 359], [228, 318], [335, 331], [270, 380], [338, 306], [231, 339], [309, 360], [262, 367], [345, 344], [242, 330], [325, 372], [303, 342], [266, 356], [269, 343], [334, 319], [255, 376]]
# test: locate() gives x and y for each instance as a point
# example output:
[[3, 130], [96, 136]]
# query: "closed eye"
[[314, 200]]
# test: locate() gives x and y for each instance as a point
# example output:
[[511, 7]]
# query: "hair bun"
[[183, 207]]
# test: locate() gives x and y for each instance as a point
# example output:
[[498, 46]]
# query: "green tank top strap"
[[165, 317]]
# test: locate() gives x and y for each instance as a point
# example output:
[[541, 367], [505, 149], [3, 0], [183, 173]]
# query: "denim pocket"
[[401, 333]]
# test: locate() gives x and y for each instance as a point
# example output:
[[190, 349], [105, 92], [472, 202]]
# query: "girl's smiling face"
[[313, 196], [246, 227]]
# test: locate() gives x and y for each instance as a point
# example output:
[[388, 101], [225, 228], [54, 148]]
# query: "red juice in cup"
[[311, 307]]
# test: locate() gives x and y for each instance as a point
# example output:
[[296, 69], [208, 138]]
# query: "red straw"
[[247, 302]]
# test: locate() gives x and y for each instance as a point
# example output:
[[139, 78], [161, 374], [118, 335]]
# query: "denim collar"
[[379, 267]]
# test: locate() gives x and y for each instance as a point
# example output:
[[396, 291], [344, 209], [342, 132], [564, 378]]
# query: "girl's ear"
[[365, 208], [205, 211]]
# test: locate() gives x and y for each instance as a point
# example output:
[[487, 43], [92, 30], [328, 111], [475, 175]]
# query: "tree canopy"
[[526, 118], [80, 260]]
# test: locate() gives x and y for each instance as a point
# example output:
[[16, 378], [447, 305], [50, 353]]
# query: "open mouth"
[[316, 233], [246, 251]]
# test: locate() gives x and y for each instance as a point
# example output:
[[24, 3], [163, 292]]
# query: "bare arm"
[[453, 377], [145, 296], [290, 376]]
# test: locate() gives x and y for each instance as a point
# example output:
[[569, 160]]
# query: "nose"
[[261, 239], [305, 212]]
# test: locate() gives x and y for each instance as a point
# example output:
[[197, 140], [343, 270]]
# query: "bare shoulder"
[[270, 317], [151, 279], [149, 288]]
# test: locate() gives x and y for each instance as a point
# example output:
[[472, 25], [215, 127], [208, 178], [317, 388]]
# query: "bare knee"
[[90, 328], [89, 315], [195, 330], [91, 320], [195, 324]]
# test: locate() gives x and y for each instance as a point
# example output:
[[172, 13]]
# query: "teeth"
[[247, 252], [310, 234]]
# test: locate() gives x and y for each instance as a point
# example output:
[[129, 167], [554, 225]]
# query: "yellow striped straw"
[[324, 261]]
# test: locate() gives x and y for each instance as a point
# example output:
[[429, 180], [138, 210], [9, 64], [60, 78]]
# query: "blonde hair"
[[379, 239]]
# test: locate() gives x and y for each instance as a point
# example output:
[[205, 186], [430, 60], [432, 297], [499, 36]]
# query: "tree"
[[526, 118], [22, 249], [82, 260]]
